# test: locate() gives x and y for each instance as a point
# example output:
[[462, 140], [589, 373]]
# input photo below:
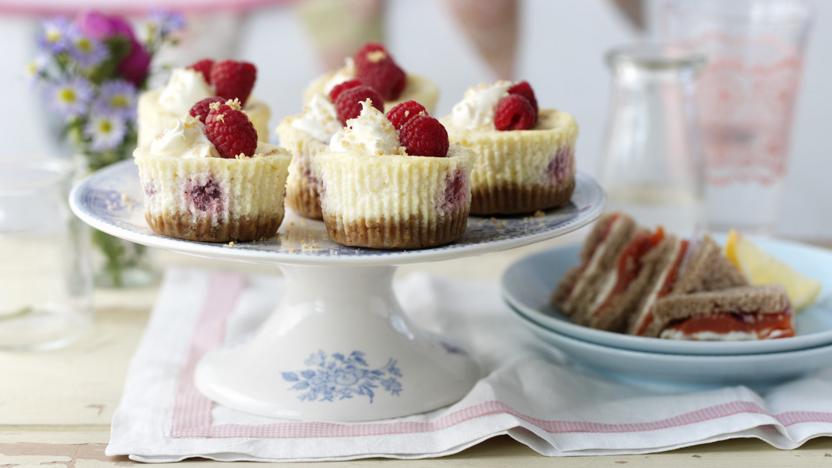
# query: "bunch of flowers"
[[90, 71]]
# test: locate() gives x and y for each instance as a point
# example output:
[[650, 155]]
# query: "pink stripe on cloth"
[[790, 418], [192, 411], [489, 408]]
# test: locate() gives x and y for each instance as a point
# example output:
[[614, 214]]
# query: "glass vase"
[[651, 164], [117, 263]]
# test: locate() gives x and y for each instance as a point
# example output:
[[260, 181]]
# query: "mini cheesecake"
[[516, 171], [160, 109], [305, 136], [192, 192], [308, 134], [377, 193], [302, 185]]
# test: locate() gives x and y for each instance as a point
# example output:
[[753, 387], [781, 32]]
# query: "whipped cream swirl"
[[476, 110], [319, 119], [184, 88], [186, 139], [369, 133]]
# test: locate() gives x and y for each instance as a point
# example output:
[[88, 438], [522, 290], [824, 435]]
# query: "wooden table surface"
[[55, 407]]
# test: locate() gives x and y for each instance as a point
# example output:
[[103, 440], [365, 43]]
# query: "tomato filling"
[[629, 262], [764, 326], [674, 269], [669, 281]]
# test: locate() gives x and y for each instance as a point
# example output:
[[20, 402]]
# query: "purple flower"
[[105, 131], [135, 67], [116, 98], [86, 51], [99, 26], [56, 36], [161, 23], [70, 97]]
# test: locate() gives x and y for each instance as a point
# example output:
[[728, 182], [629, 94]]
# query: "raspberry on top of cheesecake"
[[374, 66], [524, 156], [208, 178], [394, 182], [159, 109]]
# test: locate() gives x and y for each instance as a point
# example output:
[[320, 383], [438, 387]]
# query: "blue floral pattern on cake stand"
[[341, 377]]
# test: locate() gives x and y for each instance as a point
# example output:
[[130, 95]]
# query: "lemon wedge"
[[761, 268]]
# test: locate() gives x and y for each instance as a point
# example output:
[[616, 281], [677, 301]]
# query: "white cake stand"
[[338, 347]]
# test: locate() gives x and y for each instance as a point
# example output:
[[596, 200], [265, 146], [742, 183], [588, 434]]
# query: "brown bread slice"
[[706, 269]]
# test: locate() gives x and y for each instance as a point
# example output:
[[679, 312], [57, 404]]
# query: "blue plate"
[[674, 370], [527, 286]]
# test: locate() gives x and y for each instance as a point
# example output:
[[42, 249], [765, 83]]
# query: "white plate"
[[684, 369], [111, 200], [527, 286]]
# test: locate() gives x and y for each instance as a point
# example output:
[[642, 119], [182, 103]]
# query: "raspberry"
[[201, 108], [456, 191], [233, 79], [206, 197], [424, 136], [341, 87], [203, 66], [230, 131], [514, 112], [370, 52], [559, 168], [403, 113], [524, 89], [348, 105], [376, 68], [384, 76]]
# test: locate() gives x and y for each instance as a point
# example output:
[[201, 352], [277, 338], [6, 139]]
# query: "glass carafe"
[[651, 166]]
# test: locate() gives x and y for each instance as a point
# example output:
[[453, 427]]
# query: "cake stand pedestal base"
[[337, 348]]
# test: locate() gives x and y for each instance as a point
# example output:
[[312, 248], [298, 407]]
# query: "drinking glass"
[[746, 100], [651, 165], [45, 277]]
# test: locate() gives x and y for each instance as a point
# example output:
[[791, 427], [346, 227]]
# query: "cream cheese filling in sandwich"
[[633, 271]]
